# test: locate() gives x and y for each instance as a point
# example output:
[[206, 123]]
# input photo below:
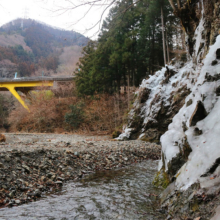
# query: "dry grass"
[[102, 114], [45, 115], [68, 60]]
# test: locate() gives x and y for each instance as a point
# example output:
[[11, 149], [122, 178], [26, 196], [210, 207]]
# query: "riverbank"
[[32, 164], [125, 193]]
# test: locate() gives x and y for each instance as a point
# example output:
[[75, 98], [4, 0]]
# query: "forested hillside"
[[32, 47], [131, 46]]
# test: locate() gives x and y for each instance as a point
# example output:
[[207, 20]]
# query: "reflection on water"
[[120, 194]]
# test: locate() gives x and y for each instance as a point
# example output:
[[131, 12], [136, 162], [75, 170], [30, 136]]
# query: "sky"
[[53, 12]]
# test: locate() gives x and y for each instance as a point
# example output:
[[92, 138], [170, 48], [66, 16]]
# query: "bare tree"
[[88, 6]]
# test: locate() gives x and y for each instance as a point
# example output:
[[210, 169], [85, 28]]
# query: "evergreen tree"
[[129, 47]]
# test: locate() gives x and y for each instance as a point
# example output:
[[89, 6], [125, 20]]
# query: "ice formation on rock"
[[197, 123]]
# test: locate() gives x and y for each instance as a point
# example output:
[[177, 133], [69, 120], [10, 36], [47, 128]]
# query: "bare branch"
[[172, 5]]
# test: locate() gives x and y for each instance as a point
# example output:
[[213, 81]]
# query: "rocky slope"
[[189, 127]]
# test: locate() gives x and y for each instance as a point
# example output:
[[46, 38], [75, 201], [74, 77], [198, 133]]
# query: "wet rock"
[[214, 62], [169, 191], [218, 54], [189, 103], [210, 78], [60, 178], [43, 178], [60, 183], [185, 128], [40, 187], [197, 132], [12, 194], [50, 182], [17, 201], [37, 193], [144, 95], [217, 91], [27, 169], [87, 156], [53, 177], [76, 154], [7, 158], [198, 114]]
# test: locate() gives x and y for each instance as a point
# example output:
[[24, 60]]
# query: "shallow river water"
[[120, 194]]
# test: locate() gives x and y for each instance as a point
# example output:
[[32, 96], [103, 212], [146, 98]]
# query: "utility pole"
[[25, 16]]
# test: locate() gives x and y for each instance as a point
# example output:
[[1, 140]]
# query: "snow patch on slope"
[[155, 84], [205, 148]]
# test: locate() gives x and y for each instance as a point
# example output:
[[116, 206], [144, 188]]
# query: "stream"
[[118, 194]]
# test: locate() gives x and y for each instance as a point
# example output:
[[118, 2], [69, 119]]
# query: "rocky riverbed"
[[34, 164]]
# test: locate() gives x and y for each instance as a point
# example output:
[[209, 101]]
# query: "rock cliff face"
[[181, 103]]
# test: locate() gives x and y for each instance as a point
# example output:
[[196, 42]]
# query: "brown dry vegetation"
[[102, 114], [68, 60], [13, 40]]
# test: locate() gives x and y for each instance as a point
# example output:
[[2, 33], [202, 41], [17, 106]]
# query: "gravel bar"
[[34, 164]]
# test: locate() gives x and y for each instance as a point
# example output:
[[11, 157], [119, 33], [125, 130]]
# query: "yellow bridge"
[[26, 84]]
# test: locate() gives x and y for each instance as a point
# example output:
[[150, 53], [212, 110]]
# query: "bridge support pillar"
[[17, 96]]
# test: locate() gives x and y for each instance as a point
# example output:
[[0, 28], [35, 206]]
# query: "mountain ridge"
[[36, 48]]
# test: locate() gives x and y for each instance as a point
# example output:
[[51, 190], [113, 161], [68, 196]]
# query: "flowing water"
[[120, 194]]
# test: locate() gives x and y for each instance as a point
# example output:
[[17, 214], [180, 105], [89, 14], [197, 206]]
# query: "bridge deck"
[[36, 79], [26, 84]]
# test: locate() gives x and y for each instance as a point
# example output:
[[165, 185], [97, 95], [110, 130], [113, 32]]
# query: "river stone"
[[59, 182], [12, 193], [26, 168], [76, 153], [17, 201], [40, 187], [43, 178], [168, 191], [37, 192], [60, 178], [7, 158], [87, 156]]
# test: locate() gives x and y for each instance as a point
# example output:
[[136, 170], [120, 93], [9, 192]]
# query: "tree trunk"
[[168, 53], [178, 4], [183, 39], [153, 44], [128, 89], [164, 46]]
